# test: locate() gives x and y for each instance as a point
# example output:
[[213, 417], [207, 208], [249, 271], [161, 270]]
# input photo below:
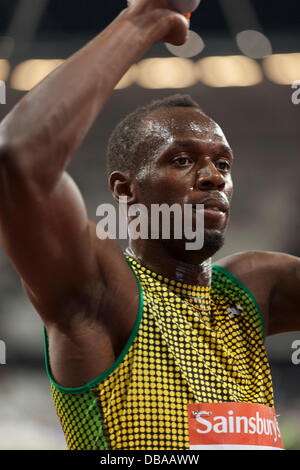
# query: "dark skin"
[[82, 287]]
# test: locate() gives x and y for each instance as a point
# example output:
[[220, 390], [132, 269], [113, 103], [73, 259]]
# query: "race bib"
[[233, 426]]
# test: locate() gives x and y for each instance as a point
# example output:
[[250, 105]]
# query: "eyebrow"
[[198, 143]]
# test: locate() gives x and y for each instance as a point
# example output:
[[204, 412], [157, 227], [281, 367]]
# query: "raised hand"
[[162, 11]]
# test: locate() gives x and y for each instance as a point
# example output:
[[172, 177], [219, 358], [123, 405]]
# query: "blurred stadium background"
[[244, 86]]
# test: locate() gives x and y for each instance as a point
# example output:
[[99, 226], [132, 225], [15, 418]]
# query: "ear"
[[121, 185]]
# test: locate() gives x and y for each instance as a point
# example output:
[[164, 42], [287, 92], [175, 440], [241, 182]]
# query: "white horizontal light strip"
[[171, 72], [175, 72], [4, 69], [282, 68], [229, 71]]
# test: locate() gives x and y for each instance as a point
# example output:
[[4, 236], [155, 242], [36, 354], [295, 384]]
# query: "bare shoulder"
[[237, 263], [261, 272], [258, 270], [249, 264]]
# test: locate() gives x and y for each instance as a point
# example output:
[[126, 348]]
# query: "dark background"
[[261, 124]]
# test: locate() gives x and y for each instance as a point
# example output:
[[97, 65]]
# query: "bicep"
[[46, 237]]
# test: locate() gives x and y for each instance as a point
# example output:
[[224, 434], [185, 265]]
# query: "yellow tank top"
[[190, 344]]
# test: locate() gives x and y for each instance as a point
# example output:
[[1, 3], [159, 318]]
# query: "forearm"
[[47, 126]]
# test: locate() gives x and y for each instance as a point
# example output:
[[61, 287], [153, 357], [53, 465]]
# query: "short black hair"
[[124, 142]]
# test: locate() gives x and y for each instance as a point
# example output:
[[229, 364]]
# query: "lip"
[[215, 214], [212, 213], [213, 205]]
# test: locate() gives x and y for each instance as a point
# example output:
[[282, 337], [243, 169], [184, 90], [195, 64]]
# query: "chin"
[[213, 240]]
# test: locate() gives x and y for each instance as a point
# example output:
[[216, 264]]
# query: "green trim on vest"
[[242, 286], [114, 366]]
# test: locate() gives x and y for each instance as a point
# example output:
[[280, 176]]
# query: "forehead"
[[167, 125]]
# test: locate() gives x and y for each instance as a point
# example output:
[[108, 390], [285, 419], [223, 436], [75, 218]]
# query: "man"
[[132, 341]]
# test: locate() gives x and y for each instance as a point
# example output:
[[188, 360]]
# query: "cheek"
[[160, 186], [229, 188], [145, 180]]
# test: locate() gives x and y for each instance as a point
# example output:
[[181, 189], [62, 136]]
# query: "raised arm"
[[44, 228]]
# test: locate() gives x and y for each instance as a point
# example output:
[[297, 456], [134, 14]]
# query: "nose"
[[208, 177]]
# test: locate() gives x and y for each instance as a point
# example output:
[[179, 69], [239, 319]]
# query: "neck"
[[158, 259]]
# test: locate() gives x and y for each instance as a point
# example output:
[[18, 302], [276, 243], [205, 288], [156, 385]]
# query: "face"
[[191, 164]]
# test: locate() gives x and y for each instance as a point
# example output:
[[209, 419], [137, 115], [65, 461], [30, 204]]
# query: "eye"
[[223, 165], [182, 161]]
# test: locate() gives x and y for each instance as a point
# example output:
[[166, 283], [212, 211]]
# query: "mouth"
[[212, 208], [211, 205]]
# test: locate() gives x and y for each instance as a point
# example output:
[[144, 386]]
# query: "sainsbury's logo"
[[233, 425], [237, 424]]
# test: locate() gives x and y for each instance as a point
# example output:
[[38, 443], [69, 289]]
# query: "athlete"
[[133, 339]]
